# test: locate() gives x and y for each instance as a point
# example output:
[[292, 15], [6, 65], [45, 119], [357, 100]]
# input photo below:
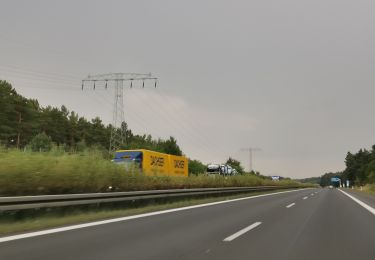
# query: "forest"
[[359, 170], [24, 123]]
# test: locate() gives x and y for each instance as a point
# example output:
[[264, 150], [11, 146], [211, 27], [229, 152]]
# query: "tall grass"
[[56, 172], [370, 188]]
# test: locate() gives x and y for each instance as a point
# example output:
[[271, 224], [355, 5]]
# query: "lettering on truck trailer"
[[157, 161], [179, 164]]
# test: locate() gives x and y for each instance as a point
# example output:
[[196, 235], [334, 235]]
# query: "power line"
[[171, 122], [156, 107], [52, 80], [53, 74], [177, 121], [140, 119], [44, 49], [49, 80], [194, 128]]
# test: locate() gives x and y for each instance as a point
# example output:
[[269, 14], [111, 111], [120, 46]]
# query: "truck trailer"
[[152, 163]]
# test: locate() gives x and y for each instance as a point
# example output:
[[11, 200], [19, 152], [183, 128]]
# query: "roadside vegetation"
[[359, 171], [369, 188], [58, 172]]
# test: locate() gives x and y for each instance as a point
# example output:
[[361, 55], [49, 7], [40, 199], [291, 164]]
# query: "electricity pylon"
[[251, 150], [117, 131]]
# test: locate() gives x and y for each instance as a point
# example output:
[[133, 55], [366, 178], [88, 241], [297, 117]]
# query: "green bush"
[[196, 167], [41, 143]]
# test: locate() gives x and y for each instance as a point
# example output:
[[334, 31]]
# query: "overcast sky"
[[294, 78]]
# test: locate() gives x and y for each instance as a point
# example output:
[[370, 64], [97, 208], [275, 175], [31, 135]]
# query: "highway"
[[304, 224]]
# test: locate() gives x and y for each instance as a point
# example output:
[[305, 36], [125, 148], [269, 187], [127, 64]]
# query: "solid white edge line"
[[242, 231], [305, 198], [97, 223], [291, 205], [369, 208]]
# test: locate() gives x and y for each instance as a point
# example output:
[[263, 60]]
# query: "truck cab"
[[129, 159]]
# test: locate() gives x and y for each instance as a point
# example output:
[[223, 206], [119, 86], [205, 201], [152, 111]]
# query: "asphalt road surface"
[[305, 224]]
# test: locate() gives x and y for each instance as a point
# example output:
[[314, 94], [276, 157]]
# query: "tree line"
[[359, 170], [23, 122]]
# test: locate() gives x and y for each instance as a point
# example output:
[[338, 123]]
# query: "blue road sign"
[[335, 179]]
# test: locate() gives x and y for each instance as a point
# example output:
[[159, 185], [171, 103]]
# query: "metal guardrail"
[[47, 201]]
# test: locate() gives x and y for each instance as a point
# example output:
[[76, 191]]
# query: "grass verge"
[[9, 226], [368, 188], [33, 173]]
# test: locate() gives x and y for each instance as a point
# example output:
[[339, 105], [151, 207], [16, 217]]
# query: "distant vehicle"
[[225, 169], [213, 169], [230, 170], [221, 169], [152, 163]]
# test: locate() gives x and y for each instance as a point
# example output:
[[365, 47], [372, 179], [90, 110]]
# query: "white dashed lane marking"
[[242, 231]]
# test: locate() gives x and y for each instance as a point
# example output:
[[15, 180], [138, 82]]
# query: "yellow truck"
[[153, 163]]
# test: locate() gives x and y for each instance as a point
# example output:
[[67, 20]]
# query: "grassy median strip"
[[50, 220]]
